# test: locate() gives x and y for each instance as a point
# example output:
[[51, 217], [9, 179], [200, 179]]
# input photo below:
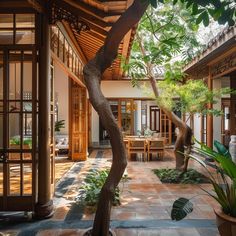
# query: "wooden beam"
[[222, 56], [92, 10], [36, 5]]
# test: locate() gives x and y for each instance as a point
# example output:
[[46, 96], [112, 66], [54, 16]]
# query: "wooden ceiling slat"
[[107, 12]]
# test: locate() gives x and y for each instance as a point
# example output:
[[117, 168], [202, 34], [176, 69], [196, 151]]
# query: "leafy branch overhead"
[[220, 10]]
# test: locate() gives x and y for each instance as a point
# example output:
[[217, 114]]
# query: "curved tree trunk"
[[92, 74], [184, 137]]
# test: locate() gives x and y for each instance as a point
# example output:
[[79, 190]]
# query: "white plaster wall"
[[197, 127], [95, 126], [217, 119], [61, 88], [121, 89], [137, 117]]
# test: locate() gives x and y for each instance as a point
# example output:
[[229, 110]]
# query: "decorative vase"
[[232, 147], [226, 224]]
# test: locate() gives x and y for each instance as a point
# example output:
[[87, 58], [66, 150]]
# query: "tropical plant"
[[89, 192], [223, 181], [60, 124]]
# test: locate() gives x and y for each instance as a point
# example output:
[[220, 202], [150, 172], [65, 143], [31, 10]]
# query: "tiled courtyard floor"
[[145, 204]]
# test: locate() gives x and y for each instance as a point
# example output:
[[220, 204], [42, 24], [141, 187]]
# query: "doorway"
[[18, 125]]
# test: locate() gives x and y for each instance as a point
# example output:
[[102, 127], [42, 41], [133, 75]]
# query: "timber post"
[[44, 206]]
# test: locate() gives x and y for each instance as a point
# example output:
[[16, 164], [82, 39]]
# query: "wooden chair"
[[136, 146], [156, 146]]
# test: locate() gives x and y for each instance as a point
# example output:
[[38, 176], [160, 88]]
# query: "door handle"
[[3, 158]]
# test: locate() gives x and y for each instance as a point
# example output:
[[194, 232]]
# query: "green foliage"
[[163, 34], [181, 208], [89, 192], [177, 176], [16, 141], [190, 97], [223, 180], [220, 10], [60, 124]]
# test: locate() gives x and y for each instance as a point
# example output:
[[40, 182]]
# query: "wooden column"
[[209, 124], [44, 207], [233, 105]]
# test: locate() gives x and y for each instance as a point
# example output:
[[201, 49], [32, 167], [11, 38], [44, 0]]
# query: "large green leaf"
[[181, 208]]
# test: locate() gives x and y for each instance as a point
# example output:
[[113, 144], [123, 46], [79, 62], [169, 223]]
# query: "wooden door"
[[18, 123], [78, 122], [155, 118], [166, 127]]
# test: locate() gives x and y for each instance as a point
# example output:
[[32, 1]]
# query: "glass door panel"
[[17, 126], [127, 116]]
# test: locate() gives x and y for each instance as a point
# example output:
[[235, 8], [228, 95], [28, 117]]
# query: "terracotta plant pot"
[[226, 224], [88, 231]]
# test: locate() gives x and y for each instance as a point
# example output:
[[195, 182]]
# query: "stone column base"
[[44, 211]]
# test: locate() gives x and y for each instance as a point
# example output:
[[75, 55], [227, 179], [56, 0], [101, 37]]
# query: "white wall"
[[197, 127], [121, 89], [61, 88], [95, 126]]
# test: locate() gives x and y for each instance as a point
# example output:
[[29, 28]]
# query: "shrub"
[[90, 190], [176, 176]]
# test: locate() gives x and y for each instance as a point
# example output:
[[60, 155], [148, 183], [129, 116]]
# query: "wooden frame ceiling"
[[99, 15]]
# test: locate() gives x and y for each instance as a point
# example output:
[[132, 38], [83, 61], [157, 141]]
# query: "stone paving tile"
[[143, 197]]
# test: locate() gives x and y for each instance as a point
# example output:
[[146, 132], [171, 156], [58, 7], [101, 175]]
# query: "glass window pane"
[[25, 37], [27, 179], [27, 156], [6, 20], [14, 77], [25, 20], [14, 174], [27, 80], [6, 36], [14, 156], [157, 120], [14, 106], [14, 130], [27, 129]]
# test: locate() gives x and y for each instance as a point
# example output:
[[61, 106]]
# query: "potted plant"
[[60, 124], [224, 189]]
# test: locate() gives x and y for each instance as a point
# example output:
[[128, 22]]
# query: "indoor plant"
[[224, 189]]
